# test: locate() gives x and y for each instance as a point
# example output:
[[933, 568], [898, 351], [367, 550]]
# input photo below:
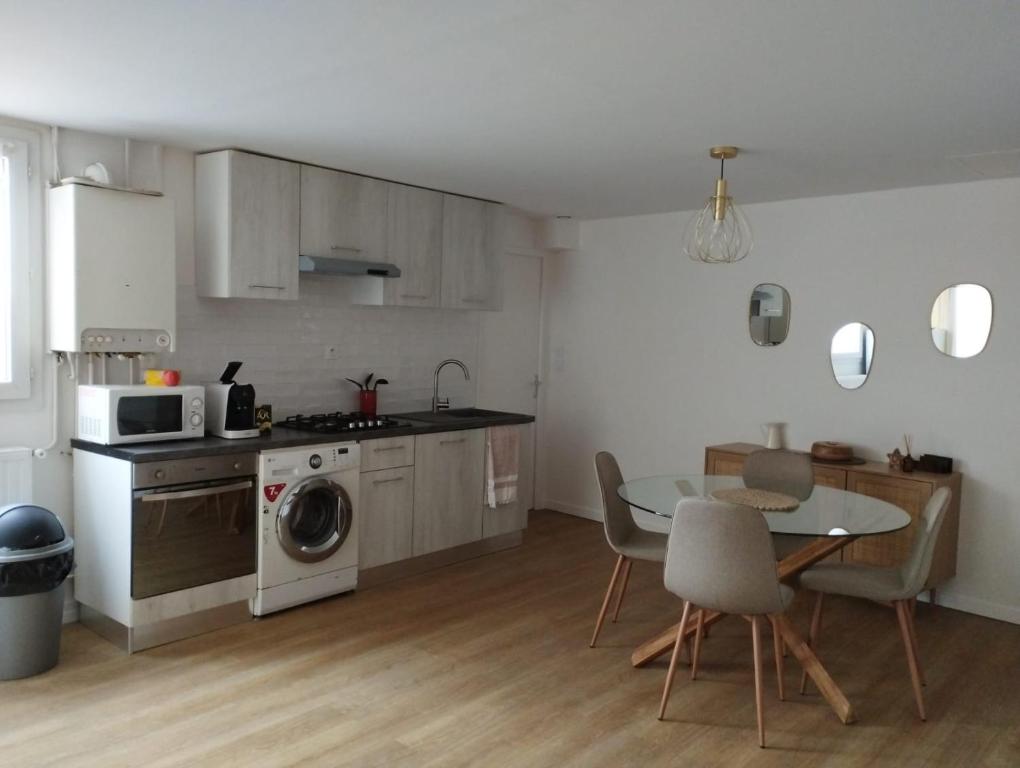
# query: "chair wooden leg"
[[816, 628], [778, 646], [913, 643], [672, 659], [903, 614], [698, 635], [623, 588], [759, 702], [605, 603]]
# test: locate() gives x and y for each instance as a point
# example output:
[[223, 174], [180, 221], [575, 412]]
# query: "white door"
[[508, 355]]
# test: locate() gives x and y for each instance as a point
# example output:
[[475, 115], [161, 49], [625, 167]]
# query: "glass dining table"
[[827, 512], [828, 520]]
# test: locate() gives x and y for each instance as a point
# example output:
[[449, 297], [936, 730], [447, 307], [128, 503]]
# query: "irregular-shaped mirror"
[[961, 319], [769, 315], [853, 347]]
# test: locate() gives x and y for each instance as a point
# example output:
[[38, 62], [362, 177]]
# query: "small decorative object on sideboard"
[[895, 459], [908, 460], [940, 465], [831, 451], [774, 434]]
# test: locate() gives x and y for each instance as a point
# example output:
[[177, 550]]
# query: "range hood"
[[327, 265]]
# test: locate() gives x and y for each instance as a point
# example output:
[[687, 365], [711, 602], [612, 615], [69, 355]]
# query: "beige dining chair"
[[786, 472], [625, 538], [720, 558], [899, 586]]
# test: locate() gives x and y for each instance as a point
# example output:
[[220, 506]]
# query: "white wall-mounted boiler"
[[111, 270]]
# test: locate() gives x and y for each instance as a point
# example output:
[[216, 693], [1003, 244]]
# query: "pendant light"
[[718, 233]]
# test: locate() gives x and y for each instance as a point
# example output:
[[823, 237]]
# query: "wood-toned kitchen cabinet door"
[[473, 234], [889, 549], [718, 463], [342, 215], [386, 504], [448, 483], [246, 226], [415, 244]]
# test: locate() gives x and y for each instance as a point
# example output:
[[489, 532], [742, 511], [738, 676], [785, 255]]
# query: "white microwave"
[[127, 413]]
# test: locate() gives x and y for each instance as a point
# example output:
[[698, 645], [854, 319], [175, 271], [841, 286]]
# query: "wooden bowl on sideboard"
[[828, 450]]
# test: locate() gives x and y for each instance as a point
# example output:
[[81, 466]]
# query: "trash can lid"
[[26, 526]]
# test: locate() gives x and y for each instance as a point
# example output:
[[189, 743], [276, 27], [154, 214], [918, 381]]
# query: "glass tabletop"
[[827, 512]]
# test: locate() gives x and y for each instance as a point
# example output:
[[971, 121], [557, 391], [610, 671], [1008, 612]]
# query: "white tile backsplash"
[[283, 347]]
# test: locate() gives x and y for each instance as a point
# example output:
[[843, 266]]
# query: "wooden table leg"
[[817, 549], [663, 643], [825, 684]]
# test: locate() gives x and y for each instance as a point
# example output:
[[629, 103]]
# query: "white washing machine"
[[308, 539]]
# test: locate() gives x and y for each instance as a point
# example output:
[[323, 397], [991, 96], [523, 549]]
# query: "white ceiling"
[[591, 108]]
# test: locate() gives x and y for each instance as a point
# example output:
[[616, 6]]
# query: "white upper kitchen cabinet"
[[472, 254], [415, 244], [342, 215], [246, 226]]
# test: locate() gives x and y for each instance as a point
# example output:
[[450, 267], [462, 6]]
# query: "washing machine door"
[[314, 520]]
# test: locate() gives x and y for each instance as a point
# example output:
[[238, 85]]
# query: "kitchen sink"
[[453, 414]]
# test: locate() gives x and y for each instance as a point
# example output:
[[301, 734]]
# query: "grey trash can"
[[36, 556]]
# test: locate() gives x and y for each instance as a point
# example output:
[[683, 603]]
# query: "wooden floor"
[[487, 663]]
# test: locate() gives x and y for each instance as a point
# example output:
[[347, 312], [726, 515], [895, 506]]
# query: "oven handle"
[[194, 493]]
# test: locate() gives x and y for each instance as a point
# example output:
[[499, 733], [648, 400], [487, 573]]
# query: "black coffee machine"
[[230, 407]]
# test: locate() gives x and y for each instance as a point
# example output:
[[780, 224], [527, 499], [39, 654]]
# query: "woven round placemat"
[[769, 501]]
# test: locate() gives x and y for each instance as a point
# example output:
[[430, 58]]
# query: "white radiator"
[[15, 475]]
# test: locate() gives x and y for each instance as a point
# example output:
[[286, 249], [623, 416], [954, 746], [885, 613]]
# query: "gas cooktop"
[[338, 422]]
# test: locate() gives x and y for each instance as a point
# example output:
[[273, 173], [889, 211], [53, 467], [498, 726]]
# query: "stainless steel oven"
[[193, 522]]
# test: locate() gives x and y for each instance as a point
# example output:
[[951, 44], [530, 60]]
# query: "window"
[[17, 148]]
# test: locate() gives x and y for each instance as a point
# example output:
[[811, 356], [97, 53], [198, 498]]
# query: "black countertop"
[[281, 437]]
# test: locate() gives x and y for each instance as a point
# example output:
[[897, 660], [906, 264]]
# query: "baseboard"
[[573, 509], [977, 606], [71, 610]]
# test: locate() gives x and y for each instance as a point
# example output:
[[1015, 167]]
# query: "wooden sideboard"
[[908, 490]]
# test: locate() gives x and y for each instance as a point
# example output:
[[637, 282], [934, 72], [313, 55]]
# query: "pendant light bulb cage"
[[719, 232]]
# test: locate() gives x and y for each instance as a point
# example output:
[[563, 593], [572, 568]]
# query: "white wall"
[[649, 353]]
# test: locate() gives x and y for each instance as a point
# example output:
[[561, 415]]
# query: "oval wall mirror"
[[769, 315], [851, 353], [961, 319]]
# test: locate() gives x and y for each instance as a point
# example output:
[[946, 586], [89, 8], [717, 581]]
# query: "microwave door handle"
[[194, 493]]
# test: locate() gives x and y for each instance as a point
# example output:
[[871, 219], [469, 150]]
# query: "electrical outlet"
[[330, 352]]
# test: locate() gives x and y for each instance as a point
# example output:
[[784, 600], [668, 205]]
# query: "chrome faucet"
[[439, 403]]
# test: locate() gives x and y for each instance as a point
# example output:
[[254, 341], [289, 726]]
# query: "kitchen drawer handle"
[[195, 493], [273, 287], [391, 448], [414, 296], [388, 480], [344, 248], [448, 442]]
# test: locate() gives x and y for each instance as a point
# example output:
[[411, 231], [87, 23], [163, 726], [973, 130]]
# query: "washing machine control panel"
[[315, 461]]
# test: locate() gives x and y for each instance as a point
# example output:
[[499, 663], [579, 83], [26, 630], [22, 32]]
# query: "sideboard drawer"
[[830, 477]]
